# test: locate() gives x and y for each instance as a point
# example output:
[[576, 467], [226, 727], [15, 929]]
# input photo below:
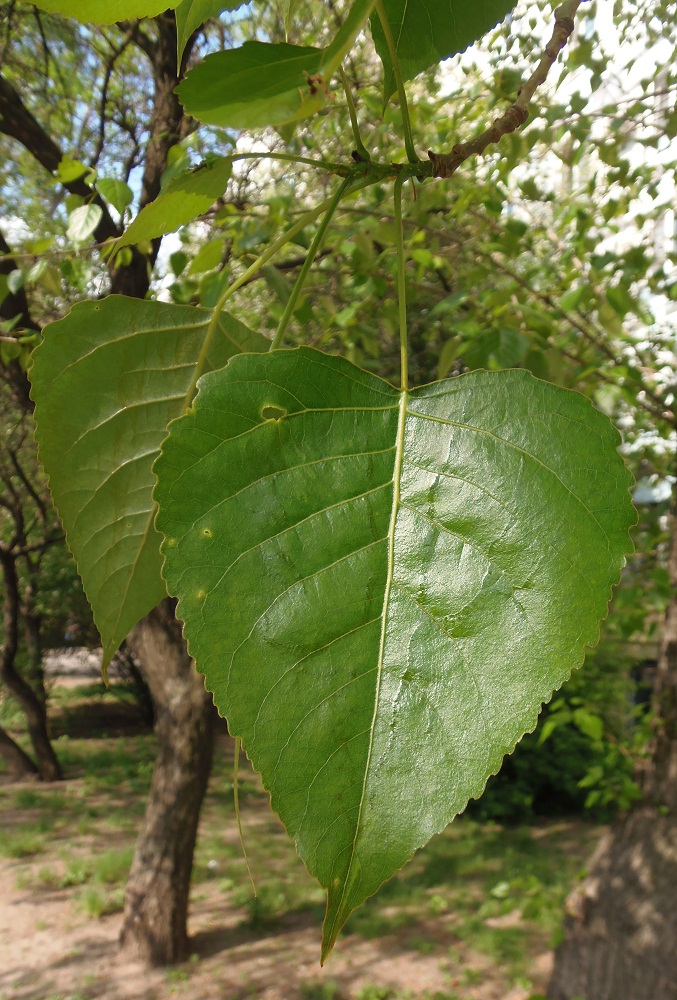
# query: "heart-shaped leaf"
[[382, 587], [106, 382], [425, 33]]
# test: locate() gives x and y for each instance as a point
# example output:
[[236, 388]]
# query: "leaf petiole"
[[328, 165], [401, 281], [260, 261], [360, 148], [313, 251], [397, 73], [236, 802]]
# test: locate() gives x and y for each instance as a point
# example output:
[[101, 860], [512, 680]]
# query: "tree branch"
[[113, 57], [446, 164], [16, 304], [17, 122]]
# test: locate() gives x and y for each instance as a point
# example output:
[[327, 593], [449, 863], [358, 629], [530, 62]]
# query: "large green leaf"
[[105, 11], [256, 85], [190, 14], [263, 84], [427, 31], [106, 382], [382, 588], [185, 198]]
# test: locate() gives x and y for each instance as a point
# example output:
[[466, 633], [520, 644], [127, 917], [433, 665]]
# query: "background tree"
[[530, 294], [82, 148], [29, 530]]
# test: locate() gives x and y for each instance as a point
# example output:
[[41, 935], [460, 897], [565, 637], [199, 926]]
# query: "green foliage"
[[264, 83], [381, 586], [117, 192], [452, 589], [105, 13], [185, 198], [191, 14], [89, 826], [102, 484], [425, 33], [327, 990], [257, 85], [82, 222]]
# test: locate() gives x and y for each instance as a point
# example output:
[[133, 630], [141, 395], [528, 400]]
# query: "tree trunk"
[[156, 905], [36, 716], [621, 927], [18, 763]]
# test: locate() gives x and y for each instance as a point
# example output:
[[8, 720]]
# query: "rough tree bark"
[[154, 925], [18, 762], [47, 764], [155, 918], [621, 926], [156, 905]]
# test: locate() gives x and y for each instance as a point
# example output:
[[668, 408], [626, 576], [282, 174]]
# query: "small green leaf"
[[15, 280], [117, 192], [71, 170], [105, 11], [191, 14], [547, 729], [185, 198], [425, 32], [106, 382], [208, 257], [383, 587], [589, 723], [82, 222]]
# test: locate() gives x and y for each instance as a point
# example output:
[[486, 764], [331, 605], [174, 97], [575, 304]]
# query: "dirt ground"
[[49, 951]]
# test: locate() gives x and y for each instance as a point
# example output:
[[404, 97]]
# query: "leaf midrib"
[[397, 475]]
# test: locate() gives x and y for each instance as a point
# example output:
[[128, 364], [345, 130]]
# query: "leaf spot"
[[273, 412], [207, 532], [201, 594]]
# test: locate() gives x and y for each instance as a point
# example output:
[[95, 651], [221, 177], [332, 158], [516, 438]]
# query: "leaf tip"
[[329, 935]]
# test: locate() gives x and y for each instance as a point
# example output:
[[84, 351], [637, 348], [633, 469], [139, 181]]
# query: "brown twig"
[[446, 164]]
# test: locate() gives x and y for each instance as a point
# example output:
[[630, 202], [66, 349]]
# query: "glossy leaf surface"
[[382, 588], [106, 382], [185, 198], [105, 11], [425, 32]]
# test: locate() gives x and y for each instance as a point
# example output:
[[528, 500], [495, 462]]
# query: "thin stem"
[[334, 168], [313, 250], [401, 282], [306, 218], [360, 148], [397, 73], [236, 802]]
